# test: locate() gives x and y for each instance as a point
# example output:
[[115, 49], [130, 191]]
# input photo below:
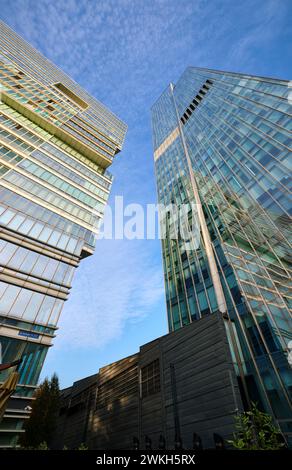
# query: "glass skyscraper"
[[56, 143], [222, 141]]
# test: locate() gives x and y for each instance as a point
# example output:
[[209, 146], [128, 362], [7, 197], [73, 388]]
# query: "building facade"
[[56, 143], [222, 143], [177, 387]]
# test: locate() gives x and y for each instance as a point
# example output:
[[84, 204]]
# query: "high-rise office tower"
[[222, 141], [56, 143]]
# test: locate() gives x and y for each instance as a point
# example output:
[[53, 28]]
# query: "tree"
[[40, 427], [255, 430]]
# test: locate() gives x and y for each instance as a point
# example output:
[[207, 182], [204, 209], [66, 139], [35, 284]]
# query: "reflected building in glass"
[[222, 141], [56, 143]]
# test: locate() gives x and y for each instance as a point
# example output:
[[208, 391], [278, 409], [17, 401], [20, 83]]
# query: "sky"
[[125, 53]]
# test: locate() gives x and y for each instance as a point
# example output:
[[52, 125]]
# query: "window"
[[150, 379], [8, 298], [21, 302], [33, 356], [192, 106], [33, 306]]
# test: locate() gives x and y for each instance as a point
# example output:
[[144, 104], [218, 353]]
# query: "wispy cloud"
[[120, 283], [125, 51], [262, 29]]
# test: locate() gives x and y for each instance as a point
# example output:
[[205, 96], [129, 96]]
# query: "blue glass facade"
[[231, 134]]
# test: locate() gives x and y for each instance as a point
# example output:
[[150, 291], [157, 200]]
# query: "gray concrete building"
[[177, 385]]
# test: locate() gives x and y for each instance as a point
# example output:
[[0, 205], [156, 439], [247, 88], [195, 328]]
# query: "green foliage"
[[40, 427], [43, 446], [82, 447], [255, 431]]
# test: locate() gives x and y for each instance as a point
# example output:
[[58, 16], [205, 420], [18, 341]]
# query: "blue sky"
[[125, 52]]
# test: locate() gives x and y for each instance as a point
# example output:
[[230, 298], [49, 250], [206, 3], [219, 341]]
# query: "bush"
[[82, 447], [255, 430]]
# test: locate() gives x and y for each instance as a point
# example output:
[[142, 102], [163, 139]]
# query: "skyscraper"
[[56, 143], [222, 141]]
